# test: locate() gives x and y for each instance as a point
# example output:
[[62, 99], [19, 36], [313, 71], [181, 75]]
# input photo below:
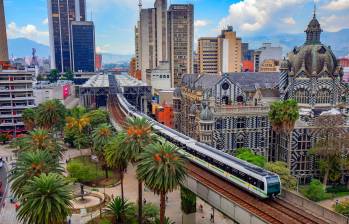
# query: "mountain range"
[[339, 42]]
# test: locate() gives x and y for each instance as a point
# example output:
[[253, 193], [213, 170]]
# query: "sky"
[[115, 19]]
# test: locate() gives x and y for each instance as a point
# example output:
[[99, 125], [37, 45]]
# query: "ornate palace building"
[[231, 111], [313, 77], [224, 111]]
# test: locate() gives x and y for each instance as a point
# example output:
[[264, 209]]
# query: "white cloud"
[[28, 31], [289, 21], [337, 5], [45, 21], [334, 23], [200, 23], [103, 49], [253, 15]]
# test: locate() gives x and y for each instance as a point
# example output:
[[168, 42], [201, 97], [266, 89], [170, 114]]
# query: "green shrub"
[[316, 191], [337, 189], [249, 156], [83, 170], [188, 201], [342, 208], [105, 221]]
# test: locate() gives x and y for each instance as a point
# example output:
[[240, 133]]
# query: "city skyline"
[[118, 37]]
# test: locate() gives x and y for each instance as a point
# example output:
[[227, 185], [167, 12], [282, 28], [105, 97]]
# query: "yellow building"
[[208, 54], [230, 51], [220, 54], [270, 65]]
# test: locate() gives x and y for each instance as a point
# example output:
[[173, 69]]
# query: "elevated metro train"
[[249, 177]]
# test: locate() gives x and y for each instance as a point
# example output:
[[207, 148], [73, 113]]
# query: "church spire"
[[313, 30]]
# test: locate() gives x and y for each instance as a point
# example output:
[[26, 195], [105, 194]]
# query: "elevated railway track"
[[269, 210]]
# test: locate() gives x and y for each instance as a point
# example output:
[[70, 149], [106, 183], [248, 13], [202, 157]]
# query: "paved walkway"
[[330, 202], [8, 214]]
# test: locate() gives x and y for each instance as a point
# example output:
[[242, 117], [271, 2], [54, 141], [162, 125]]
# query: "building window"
[[241, 123], [323, 96], [240, 142], [302, 96]]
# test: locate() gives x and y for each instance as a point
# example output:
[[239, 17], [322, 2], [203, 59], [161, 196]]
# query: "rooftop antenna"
[[91, 15]]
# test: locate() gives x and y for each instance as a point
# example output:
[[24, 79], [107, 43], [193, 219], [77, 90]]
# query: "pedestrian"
[[201, 208], [166, 199], [144, 201], [212, 218], [337, 202]]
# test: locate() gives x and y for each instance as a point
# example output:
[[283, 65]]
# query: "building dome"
[[193, 108], [284, 65], [177, 92], [206, 114], [313, 60]]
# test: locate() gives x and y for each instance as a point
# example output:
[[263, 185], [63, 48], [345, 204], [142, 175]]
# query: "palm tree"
[[162, 170], [121, 210], [29, 165], [138, 136], [100, 137], [29, 118], [38, 139], [283, 116], [79, 123], [46, 199], [51, 114], [117, 157]]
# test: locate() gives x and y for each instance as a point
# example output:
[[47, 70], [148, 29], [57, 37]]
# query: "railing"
[[241, 109]]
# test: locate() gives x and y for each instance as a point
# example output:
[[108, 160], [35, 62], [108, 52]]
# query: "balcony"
[[17, 107], [6, 90], [16, 81], [10, 124], [10, 115], [241, 110]]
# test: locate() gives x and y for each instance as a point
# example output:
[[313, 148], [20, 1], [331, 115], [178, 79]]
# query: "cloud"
[[28, 31], [337, 5], [289, 21], [253, 15], [45, 21], [103, 49], [334, 23], [200, 23]]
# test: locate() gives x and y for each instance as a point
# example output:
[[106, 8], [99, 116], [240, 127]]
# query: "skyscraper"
[[60, 15], [83, 46], [180, 27], [208, 52], [147, 35], [161, 30], [3, 37], [231, 51]]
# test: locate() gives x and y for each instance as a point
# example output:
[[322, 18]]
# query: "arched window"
[[302, 96], [240, 142], [239, 99], [323, 96], [225, 100]]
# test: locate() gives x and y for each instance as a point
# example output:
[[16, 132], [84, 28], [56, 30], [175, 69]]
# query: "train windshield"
[[273, 184]]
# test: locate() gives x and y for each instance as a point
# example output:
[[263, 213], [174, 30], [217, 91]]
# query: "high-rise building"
[[220, 54], [147, 41], [83, 46], [230, 53], [247, 54], [137, 47], [180, 40], [61, 13], [3, 37], [16, 95], [209, 56], [161, 30]]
